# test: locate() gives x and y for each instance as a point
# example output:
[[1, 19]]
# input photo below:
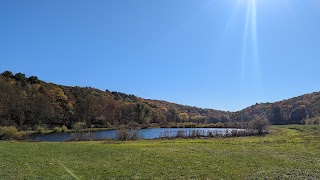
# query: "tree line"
[[27, 102]]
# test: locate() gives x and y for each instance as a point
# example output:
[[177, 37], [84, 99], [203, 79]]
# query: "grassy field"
[[289, 152]]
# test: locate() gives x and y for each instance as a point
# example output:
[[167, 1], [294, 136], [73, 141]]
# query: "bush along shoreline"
[[194, 134], [11, 133], [80, 132], [130, 133]]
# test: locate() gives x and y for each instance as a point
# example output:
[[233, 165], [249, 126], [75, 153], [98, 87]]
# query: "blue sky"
[[221, 54]]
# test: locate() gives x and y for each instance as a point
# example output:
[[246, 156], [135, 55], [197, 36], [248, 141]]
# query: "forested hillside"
[[29, 102], [292, 111]]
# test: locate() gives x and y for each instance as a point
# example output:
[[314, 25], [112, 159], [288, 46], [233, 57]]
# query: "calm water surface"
[[143, 133]]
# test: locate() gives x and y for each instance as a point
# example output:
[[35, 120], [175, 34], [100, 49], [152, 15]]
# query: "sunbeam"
[[244, 44], [250, 60], [256, 57]]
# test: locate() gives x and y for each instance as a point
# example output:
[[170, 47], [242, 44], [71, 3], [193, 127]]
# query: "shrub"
[[210, 134], [108, 125], [166, 135], [311, 121], [134, 135], [64, 128], [40, 130], [174, 126], [79, 126], [219, 125], [81, 136], [259, 124], [181, 134], [57, 130], [145, 125], [164, 124], [122, 134], [126, 134], [195, 133], [9, 132], [133, 125], [190, 125]]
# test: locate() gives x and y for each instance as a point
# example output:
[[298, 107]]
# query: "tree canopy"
[[27, 102]]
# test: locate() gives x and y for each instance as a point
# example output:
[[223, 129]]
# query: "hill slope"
[[290, 111], [28, 102]]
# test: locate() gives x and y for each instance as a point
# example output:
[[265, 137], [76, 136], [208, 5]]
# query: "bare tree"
[[260, 124]]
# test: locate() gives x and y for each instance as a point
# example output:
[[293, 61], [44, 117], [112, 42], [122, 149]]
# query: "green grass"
[[289, 152]]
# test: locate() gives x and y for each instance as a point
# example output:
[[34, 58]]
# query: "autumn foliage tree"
[[27, 102]]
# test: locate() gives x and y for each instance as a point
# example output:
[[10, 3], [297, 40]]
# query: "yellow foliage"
[[37, 86], [183, 116], [59, 94], [164, 109], [69, 105]]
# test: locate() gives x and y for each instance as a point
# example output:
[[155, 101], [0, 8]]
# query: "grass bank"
[[289, 152]]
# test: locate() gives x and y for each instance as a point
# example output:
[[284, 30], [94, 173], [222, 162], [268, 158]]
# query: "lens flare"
[[250, 77], [250, 61]]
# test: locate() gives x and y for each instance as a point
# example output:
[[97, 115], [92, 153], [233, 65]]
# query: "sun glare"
[[250, 48]]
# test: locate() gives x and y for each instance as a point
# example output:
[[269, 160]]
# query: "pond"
[[143, 134]]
